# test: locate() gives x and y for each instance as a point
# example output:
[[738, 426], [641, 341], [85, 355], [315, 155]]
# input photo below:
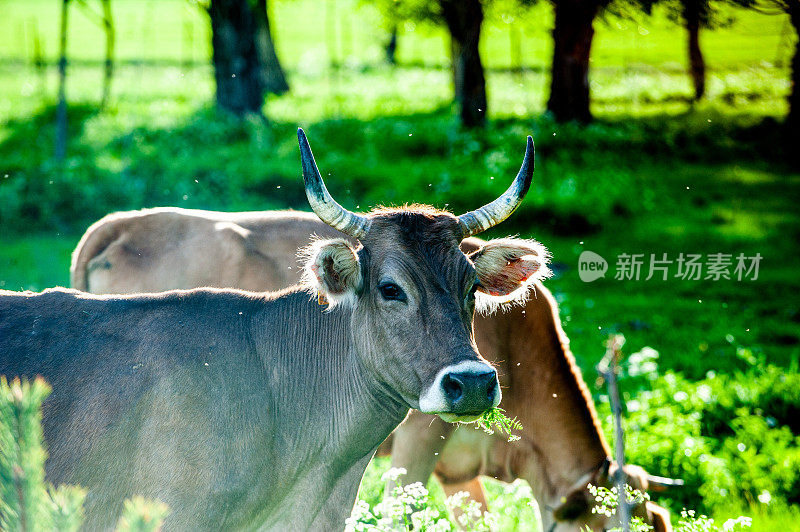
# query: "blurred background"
[[661, 127]]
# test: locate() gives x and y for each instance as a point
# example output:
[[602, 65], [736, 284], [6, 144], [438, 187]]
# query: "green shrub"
[[24, 501], [729, 437], [141, 515]]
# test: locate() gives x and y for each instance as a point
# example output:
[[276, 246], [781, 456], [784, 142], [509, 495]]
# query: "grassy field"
[[653, 175]]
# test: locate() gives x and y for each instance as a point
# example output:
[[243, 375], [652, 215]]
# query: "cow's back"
[[162, 249]]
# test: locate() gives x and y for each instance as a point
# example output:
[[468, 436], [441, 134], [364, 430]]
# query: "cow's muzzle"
[[462, 392]]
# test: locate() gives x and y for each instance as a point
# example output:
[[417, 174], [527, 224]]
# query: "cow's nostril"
[[490, 389], [452, 388]]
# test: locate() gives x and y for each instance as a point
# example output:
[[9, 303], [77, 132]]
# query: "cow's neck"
[[332, 411], [561, 437]]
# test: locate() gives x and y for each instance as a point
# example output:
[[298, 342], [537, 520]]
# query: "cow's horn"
[[320, 199], [659, 484], [492, 214]]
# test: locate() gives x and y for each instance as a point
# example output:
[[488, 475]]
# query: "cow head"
[[413, 292], [575, 508]]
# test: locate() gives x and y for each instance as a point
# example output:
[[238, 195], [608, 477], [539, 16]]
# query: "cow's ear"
[[332, 271], [506, 270]]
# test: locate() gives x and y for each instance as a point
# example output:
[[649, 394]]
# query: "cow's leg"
[[659, 517], [417, 446], [473, 487], [476, 493]]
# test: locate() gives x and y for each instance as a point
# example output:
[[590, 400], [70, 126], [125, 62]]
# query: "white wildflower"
[[393, 474]]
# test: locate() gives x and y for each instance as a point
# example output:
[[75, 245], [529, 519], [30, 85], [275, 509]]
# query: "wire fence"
[[348, 33]]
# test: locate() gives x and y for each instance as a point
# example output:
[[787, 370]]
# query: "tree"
[[274, 76], [695, 14], [793, 118], [792, 124], [572, 35], [108, 26], [791, 8], [391, 16], [464, 19], [105, 21], [245, 63], [391, 46], [573, 32], [572, 38]]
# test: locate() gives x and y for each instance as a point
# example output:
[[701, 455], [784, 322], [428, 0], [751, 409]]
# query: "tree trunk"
[[572, 44], [274, 77], [236, 57], [61, 109], [108, 26], [697, 66], [464, 18]]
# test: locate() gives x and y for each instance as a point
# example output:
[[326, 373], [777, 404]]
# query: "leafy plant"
[[24, 501], [142, 515], [66, 507], [495, 420]]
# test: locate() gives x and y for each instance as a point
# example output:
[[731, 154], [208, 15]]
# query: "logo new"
[[591, 266]]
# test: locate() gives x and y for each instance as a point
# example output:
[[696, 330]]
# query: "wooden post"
[[61, 110], [334, 57], [607, 368], [108, 74], [187, 55], [38, 57]]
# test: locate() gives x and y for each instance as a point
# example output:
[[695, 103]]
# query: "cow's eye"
[[391, 292]]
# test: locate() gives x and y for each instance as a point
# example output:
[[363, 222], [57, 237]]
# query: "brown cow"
[[562, 447]]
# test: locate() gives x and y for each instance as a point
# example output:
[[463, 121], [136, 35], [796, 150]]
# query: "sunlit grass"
[[766, 517]]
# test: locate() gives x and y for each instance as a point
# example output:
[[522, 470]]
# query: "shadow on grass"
[[585, 176]]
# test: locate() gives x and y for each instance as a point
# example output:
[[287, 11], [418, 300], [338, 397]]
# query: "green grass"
[[36, 261], [765, 519]]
